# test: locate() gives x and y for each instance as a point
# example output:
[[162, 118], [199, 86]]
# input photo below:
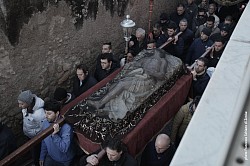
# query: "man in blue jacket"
[[57, 149], [199, 46]]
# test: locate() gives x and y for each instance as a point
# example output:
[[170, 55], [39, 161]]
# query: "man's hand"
[[209, 48], [93, 160], [56, 128], [131, 43], [41, 163], [193, 72], [175, 39], [212, 53], [190, 68]]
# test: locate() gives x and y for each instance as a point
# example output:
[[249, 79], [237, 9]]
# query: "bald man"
[[158, 152]]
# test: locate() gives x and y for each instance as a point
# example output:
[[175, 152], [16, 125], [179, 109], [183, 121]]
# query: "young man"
[[57, 149], [176, 47], [191, 8], [158, 33], [116, 155], [33, 117], [211, 12], [158, 152], [181, 14], [199, 46], [108, 66], [187, 36], [223, 34], [164, 21], [210, 25], [200, 19], [106, 48], [83, 81], [200, 76], [216, 52]]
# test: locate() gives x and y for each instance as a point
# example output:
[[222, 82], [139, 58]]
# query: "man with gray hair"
[[140, 42], [33, 116]]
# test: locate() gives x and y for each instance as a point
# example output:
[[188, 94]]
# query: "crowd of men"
[[204, 25]]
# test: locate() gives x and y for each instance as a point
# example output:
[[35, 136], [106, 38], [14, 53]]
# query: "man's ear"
[[57, 113]]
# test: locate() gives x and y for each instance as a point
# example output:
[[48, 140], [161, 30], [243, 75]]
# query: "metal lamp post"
[[127, 26]]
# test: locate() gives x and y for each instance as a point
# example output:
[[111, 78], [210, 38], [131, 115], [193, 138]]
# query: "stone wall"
[[50, 47]]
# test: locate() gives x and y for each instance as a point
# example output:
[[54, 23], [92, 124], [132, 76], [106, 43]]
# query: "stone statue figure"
[[137, 81]]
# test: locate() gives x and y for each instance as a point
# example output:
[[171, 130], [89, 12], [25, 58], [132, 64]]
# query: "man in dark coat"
[[224, 34], [116, 156], [199, 46], [200, 19], [216, 52], [187, 36], [164, 21], [176, 47], [106, 48], [108, 66], [83, 81], [200, 76], [180, 14], [158, 152]]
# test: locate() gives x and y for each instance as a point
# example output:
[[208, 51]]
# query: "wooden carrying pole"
[[169, 41], [28, 145]]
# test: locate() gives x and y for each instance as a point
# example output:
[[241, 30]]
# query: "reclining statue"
[[136, 81]]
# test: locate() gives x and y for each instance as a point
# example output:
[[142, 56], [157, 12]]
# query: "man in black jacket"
[[158, 152], [200, 76], [83, 81], [108, 66], [116, 156], [216, 52]]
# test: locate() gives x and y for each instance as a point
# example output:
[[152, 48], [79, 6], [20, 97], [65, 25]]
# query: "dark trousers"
[[35, 153], [50, 162]]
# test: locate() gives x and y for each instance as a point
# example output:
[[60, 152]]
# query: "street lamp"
[[127, 26]]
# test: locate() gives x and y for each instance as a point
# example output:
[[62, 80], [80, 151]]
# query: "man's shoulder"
[[197, 40], [204, 77], [45, 124], [129, 161], [66, 126], [189, 32], [92, 79], [150, 147]]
